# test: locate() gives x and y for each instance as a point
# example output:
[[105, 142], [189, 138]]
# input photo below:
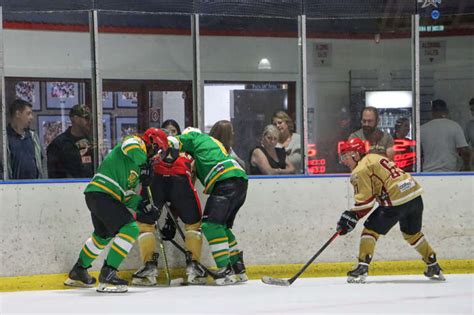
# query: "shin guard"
[[193, 239]]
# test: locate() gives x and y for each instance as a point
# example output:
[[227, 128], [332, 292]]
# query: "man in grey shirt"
[[443, 141], [380, 142]]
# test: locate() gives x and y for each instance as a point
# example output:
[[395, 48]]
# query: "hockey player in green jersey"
[[226, 183], [109, 196]]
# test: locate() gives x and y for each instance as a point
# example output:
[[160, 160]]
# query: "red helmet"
[[156, 140], [353, 145]]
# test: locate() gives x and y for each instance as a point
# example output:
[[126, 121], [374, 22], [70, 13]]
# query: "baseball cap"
[[80, 110]]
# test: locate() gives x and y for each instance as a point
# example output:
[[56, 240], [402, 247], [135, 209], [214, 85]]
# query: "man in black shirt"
[[70, 155]]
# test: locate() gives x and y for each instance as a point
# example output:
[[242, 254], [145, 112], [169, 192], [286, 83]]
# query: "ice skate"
[[433, 270], [358, 274], [195, 274], [79, 277], [239, 268], [225, 276], [146, 275], [109, 281]]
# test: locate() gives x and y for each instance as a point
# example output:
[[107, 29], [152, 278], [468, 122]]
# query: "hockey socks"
[[233, 250], [92, 249], [218, 242], [122, 244], [419, 242], [367, 245]]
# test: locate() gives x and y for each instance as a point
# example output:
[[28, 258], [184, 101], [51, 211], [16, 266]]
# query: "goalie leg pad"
[[193, 239], [146, 241]]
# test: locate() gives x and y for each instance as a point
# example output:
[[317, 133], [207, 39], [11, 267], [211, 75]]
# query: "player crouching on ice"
[[109, 196], [226, 183], [376, 178]]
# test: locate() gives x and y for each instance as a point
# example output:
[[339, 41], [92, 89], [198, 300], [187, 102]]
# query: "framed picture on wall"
[[125, 126], [51, 126], [62, 94], [127, 99], [107, 100], [106, 123], [29, 91]]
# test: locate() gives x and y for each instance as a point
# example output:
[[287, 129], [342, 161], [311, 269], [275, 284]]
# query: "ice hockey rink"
[[381, 294]]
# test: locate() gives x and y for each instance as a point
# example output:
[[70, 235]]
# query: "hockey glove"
[[168, 231], [146, 173], [347, 222], [146, 206]]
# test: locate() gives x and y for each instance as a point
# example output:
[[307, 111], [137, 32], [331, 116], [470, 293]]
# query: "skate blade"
[[196, 281], [229, 280], [143, 282], [360, 279], [275, 281], [242, 277], [77, 284], [439, 277], [110, 288]]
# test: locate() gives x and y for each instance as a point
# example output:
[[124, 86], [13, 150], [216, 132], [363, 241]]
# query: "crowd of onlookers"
[[445, 147]]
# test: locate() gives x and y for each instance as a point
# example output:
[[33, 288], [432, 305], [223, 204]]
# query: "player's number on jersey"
[[390, 166]]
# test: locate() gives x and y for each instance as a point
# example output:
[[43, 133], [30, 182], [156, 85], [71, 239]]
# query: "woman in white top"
[[288, 139]]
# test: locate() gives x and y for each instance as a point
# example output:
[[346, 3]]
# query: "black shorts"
[[410, 216], [108, 214], [225, 201], [179, 191]]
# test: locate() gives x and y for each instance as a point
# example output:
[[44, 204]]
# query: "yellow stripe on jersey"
[[114, 194], [212, 181]]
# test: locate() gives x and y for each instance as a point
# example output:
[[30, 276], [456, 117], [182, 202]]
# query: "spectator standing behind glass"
[[172, 127], [402, 128], [469, 130], [380, 142], [267, 159], [288, 139], [71, 155], [443, 141], [223, 131], [24, 152]]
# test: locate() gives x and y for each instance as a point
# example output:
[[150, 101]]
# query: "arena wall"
[[284, 221]]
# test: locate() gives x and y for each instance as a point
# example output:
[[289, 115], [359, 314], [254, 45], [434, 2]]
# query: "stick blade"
[[276, 281]]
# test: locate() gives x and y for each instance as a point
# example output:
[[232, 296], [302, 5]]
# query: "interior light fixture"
[[264, 64]]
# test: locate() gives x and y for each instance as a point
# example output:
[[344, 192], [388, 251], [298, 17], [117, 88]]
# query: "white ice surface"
[[380, 295]]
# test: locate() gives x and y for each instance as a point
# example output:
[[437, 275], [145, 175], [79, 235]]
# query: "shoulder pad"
[[191, 129]]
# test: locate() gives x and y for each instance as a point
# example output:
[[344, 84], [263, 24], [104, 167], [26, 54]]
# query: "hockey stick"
[[186, 252], [288, 282], [162, 246]]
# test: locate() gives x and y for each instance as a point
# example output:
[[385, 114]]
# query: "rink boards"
[[283, 222]]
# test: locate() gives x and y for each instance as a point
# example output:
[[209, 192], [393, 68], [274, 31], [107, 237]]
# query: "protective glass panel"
[[250, 70], [447, 76], [47, 78], [150, 80], [353, 64]]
